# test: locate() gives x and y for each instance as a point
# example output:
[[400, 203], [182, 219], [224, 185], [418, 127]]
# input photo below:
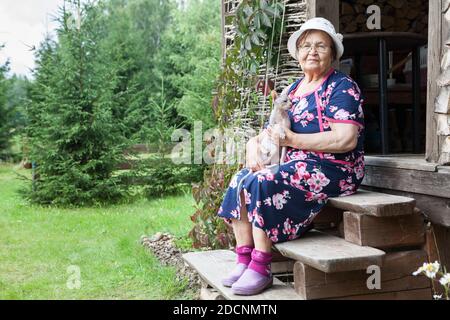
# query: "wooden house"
[[401, 216]]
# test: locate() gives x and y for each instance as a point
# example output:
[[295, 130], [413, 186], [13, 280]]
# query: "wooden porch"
[[351, 234]]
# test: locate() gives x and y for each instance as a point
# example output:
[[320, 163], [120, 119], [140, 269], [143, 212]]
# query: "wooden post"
[[223, 31], [328, 9], [434, 67]]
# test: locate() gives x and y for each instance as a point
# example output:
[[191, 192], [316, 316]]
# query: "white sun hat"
[[317, 24]]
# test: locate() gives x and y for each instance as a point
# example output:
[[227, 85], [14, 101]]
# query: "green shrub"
[[163, 177]]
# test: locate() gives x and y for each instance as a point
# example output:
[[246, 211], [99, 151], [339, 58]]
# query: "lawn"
[[39, 247]]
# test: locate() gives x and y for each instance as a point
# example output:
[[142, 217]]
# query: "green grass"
[[38, 244]]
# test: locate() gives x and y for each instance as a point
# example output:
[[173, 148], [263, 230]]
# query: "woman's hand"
[[286, 142], [252, 160]]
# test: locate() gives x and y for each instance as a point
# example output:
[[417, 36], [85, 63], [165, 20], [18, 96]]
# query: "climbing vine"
[[258, 25]]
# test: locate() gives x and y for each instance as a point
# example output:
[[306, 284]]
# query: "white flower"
[[430, 269], [437, 297], [445, 280], [278, 201]]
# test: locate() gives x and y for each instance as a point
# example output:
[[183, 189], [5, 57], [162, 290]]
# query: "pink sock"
[[261, 262], [244, 254]]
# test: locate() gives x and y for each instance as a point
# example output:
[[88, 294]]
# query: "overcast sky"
[[24, 23]]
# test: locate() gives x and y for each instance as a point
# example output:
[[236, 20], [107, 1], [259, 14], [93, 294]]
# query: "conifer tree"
[[4, 111], [76, 141]]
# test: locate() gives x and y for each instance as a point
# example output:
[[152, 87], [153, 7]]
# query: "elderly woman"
[[325, 158]]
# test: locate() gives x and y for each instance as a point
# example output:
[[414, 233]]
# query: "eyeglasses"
[[319, 47]]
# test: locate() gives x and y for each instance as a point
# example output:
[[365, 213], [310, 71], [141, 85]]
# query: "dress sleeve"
[[345, 104]]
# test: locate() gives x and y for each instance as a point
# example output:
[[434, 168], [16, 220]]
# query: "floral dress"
[[284, 202]]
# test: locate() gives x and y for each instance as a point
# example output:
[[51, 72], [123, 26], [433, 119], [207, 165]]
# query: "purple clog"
[[234, 275], [251, 283]]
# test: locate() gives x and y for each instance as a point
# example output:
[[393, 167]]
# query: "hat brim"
[[292, 42]]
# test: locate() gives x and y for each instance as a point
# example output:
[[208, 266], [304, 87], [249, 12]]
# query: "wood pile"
[[396, 15]]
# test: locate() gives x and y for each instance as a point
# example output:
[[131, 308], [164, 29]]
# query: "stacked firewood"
[[396, 15]]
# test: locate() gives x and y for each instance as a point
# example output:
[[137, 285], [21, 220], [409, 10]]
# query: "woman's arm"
[[342, 138], [252, 160]]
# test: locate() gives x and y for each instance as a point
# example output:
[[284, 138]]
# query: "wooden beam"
[[223, 31], [384, 233], [374, 203], [434, 68], [413, 181], [328, 9], [414, 162], [330, 254], [396, 275]]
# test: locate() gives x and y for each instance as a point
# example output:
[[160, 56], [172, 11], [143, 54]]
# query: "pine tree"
[[133, 41], [5, 124], [76, 140], [189, 59]]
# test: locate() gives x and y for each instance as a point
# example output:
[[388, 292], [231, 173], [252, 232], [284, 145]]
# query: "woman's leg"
[[243, 228], [258, 275], [261, 240]]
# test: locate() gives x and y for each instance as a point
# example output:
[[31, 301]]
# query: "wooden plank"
[[443, 169], [430, 183], [213, 265], [418, 294], [330, 254], [444, 141], [436, 209], [384, 233], [414, 163], [396, 275], [434, 66], [374, 203]]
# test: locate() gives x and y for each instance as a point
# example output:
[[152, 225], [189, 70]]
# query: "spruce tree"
[[5, 125], [75, 139]]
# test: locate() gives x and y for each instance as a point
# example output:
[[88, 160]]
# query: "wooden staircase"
[[351, 234]]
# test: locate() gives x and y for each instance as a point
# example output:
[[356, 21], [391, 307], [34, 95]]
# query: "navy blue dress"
[[285, 202]]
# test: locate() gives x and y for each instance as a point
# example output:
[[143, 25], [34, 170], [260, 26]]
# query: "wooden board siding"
[[434, 62]]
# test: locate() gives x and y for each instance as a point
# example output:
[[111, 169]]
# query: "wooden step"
[[394, 276], [212, 266], [374, 203], [328, 253], [384, 232]]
